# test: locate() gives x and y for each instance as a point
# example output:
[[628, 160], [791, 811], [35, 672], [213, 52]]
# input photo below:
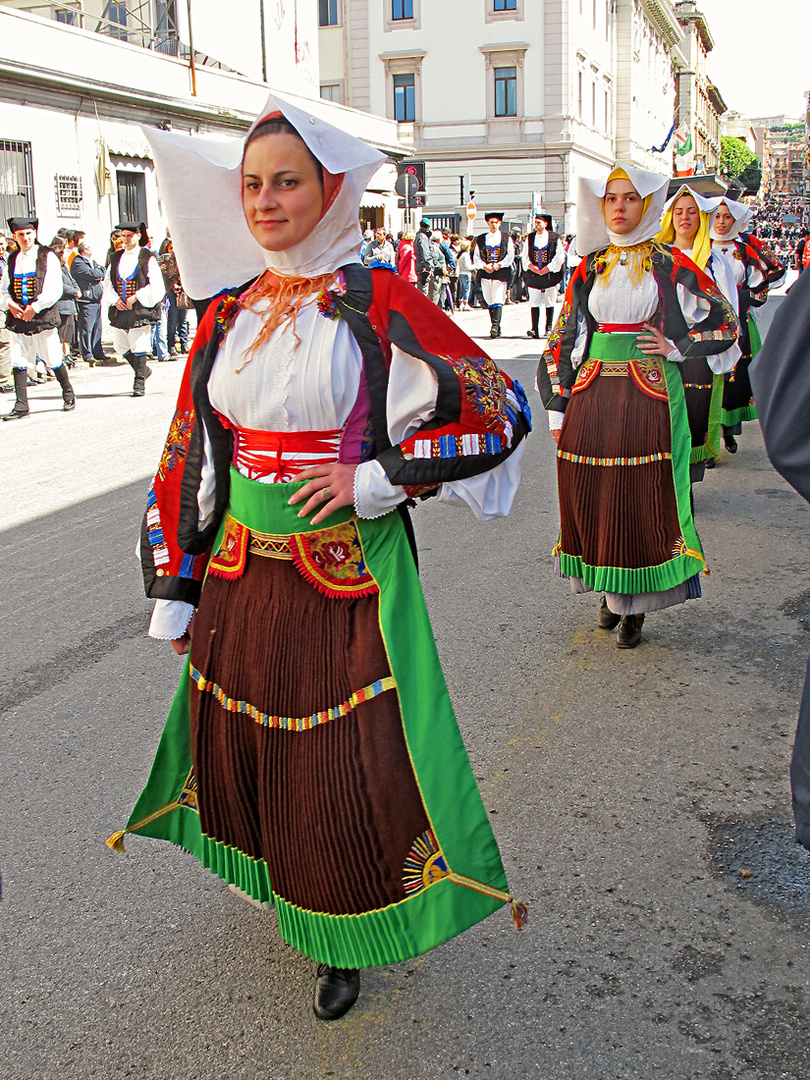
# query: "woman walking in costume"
[[686, 225], [751, 276], [610, 378], [311, 756]]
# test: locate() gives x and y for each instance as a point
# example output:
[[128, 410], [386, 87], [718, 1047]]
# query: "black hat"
[[493, 213], [17, 223], [545, 217], [134, 226]]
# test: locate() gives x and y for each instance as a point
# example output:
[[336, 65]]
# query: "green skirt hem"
[[737, 416], [618, 579]]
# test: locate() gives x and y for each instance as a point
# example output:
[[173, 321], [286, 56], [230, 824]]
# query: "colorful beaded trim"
[[291, 723], [646, 459]]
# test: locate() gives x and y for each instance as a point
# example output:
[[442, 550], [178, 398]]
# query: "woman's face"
[[723, 220], [282, 194], [624, 207], [685, 220]]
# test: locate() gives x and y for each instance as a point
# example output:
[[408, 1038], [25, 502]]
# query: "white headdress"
[[742, 215], [201, 185], [592, 231]]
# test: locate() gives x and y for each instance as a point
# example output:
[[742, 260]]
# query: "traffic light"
[[413, 168]]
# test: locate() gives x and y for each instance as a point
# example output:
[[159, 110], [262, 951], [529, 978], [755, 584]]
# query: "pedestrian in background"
[[464, 263], [6, 381], [424, 259], [89, 275], [380, 251], [67, 305], [30, 290], [406, 259]]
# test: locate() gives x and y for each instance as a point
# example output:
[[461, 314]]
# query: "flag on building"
[[684, 154], [104, 180]]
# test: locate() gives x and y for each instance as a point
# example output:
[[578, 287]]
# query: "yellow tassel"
[[116, 841], [520, 914]]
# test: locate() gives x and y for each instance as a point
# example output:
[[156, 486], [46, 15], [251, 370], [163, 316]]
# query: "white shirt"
[[26, 263], [151, 294]]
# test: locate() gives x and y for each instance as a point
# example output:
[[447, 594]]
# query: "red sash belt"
[[265, 453], [621, 328]]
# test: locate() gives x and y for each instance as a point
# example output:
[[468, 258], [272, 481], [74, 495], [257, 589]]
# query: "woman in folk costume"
[[493, 255], [686, 225], [311, 756], [610, 378], [751, 278]]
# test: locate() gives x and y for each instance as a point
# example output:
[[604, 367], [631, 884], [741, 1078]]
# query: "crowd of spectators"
[[780, 220], [81, 319]]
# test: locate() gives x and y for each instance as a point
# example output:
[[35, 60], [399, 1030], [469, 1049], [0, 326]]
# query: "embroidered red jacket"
[[480, 417], [714, 334]]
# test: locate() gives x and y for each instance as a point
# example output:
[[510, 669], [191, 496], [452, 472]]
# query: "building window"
[[328, 13], [405, 98], [506, 91], [131, 195], [332, 92], [16, 180], [593, 104], [68, 195], [579, 94], [167, 37], [503, 10], [68, 18], [401, 9], [117, 19]]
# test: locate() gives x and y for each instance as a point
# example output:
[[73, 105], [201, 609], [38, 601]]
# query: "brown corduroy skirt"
[[333, 810]]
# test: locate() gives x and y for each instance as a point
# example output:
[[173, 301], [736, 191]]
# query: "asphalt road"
[[640, 798]]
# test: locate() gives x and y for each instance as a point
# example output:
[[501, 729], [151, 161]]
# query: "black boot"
[[549, 320], [729, 441], [629, 632], [68, 396], [336, 990], [535, 330], [20, 388], [142, 373], [495, 314]]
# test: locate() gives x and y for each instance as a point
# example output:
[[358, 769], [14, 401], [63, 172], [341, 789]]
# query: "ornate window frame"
[[493, 16], [390, 23], [504, 54], [407, 62]]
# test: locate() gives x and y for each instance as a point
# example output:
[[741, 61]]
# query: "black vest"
[[505, 272], [139, 315], [540, 257], [44, 320]]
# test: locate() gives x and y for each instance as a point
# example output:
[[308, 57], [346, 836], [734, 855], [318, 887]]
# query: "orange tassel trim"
[[285, 296]]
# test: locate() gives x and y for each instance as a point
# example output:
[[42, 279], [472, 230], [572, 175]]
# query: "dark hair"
[[77, 234], [277, 125], [58, 246]]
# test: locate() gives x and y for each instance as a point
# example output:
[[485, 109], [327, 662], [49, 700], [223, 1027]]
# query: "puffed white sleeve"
[[170, 618], [510, 253], [412, 392], [723, 273], [108, 293], [477, 261], [153, 292], [5, 294], [558, 262]]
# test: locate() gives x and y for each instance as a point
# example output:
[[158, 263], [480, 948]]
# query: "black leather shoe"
[[629, 633], [336, 990], [607, 619], [532, 334], [730, 443]]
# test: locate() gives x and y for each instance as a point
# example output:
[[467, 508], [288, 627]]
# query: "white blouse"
[[620, 300], [313, 386]]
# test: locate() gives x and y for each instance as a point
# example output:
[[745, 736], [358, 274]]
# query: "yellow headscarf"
[[638, 256], [702, 244]]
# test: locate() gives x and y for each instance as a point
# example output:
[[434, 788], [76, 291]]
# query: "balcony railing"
[[137, 22]]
